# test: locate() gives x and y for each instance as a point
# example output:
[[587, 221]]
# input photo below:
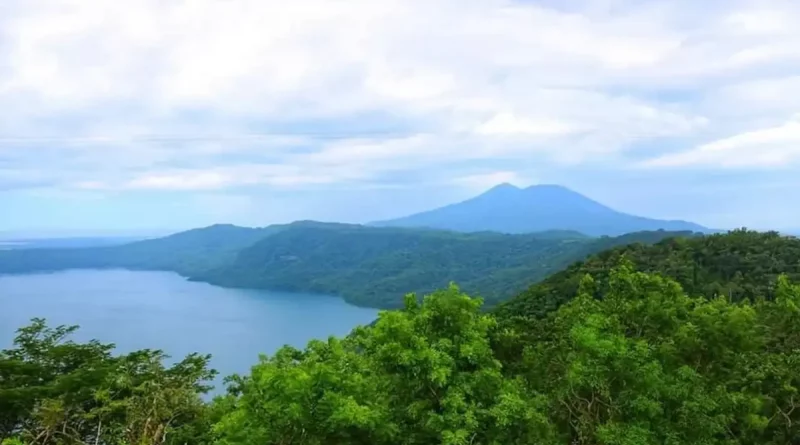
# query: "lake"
[[161, 310]]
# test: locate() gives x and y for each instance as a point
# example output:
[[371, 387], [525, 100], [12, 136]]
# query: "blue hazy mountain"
[[510, 209], [64, 242]]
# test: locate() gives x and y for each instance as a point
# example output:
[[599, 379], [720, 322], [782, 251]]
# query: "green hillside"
[[741, 265], [368, 266], [375, 267], [625, 358]]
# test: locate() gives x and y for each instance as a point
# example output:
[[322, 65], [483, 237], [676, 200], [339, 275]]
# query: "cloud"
[[755, 98], [506, 123], [769, 147], [224, 94], [178, 181]]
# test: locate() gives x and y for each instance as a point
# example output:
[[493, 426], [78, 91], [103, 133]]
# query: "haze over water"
[[138, 310]]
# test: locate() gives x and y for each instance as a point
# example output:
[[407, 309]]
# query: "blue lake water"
[[161, 310]]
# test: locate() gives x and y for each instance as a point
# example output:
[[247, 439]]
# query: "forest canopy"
[[741, 264], [644, 364]]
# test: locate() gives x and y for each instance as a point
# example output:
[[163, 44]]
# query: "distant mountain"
[[509, 209], [59, 243], [186, 253], [368, 266]]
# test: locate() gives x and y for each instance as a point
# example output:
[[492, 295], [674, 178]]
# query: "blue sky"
[[170, 115]]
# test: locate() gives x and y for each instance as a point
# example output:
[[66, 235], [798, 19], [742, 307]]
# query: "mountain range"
[[367, 266], [510, 209], [515, 237]]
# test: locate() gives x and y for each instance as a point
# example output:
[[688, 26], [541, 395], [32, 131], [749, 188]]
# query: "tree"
[[425, 374], [627, 358], [55, 391]]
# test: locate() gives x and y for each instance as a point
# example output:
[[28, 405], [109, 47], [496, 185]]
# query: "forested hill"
[[629, 359], [368, 266], [375, 267], [741, 264]]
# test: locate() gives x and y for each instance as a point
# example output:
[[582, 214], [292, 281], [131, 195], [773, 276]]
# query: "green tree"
[[56, 391], [706, 351], [425, 374]]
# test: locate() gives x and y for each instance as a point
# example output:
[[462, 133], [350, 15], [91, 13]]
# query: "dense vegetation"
[[627, 358], [741, 265], [646, 364], [55, 391], [366, 265], [377, 266], [509, 209]]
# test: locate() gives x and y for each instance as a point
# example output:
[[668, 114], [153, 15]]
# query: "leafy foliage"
[[645, 364], [55, 391], [629, 357], [426, 374]]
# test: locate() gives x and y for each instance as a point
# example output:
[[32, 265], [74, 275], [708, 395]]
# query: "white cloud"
[[762, 97], [769, 147], [506, 123], [185, 181], [760, 21], [214, 94]]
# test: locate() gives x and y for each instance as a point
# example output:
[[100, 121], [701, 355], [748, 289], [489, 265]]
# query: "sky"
[[154, 115]]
